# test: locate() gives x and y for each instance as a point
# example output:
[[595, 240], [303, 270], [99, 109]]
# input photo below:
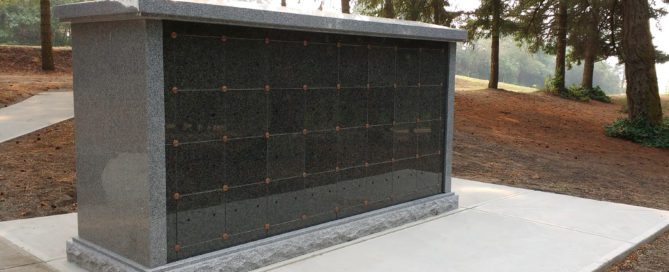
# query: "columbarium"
[[220, 137]]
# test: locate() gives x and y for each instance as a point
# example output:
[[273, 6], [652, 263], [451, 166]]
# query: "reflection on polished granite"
[[269, 131]]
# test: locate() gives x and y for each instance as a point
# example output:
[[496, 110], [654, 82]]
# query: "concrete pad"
[[612, 220], [467, 241], [12, 256], [498, 228], [39, 267], [474, 193], [64, 265], [43, 237], [39, 111]]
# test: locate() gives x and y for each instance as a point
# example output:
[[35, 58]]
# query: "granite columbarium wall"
[[215, 137]]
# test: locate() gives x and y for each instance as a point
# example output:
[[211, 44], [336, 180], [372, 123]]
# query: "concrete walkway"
[[42, 239], [39, 111], [497, 228]]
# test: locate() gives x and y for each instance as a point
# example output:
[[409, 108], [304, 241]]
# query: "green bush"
[[598, 94], [550, 85], [576, 92], [640, 131]]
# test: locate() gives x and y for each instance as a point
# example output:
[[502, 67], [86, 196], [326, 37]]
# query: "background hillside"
[[517, 66]]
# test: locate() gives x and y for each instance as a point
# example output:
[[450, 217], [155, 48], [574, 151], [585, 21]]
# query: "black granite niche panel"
[[269, 131]]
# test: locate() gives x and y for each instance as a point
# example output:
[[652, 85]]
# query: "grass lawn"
[[469, 83]]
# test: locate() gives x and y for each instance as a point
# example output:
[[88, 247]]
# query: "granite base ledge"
[[274, 249]]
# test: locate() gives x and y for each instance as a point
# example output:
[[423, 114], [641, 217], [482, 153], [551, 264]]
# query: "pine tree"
[[638, 52], [587, 39], [596, 33], [491, 20], [543, 25]]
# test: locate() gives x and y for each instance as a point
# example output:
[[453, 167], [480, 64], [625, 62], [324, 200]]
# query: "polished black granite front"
[[270, 131]]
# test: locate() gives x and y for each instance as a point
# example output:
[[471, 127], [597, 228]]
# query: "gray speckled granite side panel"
[[269, 16], [278, 248], [450, 116], [119, 137], [156, 142]]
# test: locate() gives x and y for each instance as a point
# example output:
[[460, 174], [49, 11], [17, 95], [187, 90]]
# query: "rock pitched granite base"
[[277, 248]]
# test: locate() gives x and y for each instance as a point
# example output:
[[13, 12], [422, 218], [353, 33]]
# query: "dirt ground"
[[21, 75], [529, 140], [37, 173], [542, 142]]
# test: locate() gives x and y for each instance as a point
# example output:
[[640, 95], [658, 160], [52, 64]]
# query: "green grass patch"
[[640, 131], [470, 83]]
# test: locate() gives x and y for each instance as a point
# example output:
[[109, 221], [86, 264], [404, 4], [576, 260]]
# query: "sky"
[[660, 29], [661, 40]]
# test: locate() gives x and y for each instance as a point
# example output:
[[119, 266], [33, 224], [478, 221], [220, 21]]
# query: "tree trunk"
[[345, 6], [591, 50], [588, 68], [45, 33], [388, 9], [643, 97], [561, 47], [494, 52], [415, 10], [437, 11]]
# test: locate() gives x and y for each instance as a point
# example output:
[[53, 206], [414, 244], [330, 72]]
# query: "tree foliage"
[[536, 24], [20, 23], [429, 11], [543, 25], [479, 24], [587, 36], [590, 25]]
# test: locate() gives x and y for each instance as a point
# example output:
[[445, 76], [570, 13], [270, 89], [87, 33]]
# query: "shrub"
[[598, 94], [640, 131], [550, 83], [576, 92]]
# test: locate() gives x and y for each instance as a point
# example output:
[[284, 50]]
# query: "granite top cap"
[[264, 16]]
